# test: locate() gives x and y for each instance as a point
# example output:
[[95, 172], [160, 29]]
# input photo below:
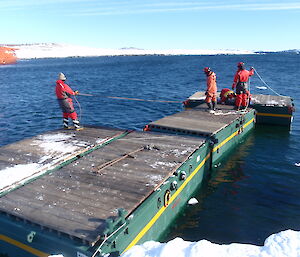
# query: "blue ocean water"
[[256, 190]]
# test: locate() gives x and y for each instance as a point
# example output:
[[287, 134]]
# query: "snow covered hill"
[[52, 50]]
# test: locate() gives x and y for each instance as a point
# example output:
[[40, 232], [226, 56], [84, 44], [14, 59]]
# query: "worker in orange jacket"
[[211, 91], [240, 83]]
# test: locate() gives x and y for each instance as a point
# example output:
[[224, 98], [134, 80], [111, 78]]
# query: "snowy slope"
[[51, 50]]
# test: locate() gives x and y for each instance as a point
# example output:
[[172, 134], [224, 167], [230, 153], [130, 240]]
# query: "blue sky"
[[154, 24]]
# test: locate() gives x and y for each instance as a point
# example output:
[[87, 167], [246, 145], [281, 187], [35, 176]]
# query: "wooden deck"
[[197, 121], [79, 197]]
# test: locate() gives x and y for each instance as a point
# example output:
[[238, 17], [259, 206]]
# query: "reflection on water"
[[224, 178]]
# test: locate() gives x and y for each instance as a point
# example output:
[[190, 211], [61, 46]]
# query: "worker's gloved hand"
[[233, 86], [76, 93], [206, 93]]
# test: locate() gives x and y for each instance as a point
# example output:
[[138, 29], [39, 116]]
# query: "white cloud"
[[119, 7], [123, 8]]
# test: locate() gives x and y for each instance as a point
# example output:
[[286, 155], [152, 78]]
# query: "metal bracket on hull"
[[113, 224]]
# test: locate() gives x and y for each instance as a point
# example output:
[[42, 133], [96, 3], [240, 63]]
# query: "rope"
[[79, 106], [132, 99], [106, 238], [226, 113], [266, 83], [249, 94]]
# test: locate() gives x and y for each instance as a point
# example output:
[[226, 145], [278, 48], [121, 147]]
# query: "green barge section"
[[270, 109], [101, 191]]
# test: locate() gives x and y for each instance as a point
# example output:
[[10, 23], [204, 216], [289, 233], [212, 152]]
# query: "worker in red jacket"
[[64, 93], [211, 91], [240, 83]]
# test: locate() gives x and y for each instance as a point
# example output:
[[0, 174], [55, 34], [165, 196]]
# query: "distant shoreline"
[[53, 50]]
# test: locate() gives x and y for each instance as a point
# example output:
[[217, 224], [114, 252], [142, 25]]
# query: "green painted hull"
[[16, 239], [270, 115]]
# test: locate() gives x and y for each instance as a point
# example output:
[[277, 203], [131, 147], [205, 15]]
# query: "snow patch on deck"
[[55, 149], [166, 164], [16, 173], [154, 180], [179, 153], [56, 144]]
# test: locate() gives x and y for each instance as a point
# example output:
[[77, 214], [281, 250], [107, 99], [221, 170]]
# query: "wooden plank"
[[67, 222]]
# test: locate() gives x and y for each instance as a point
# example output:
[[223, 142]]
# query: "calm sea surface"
[[254, 193]]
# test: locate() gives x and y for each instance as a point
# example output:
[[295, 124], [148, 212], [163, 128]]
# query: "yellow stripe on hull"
[[274, 115], [23, 246]]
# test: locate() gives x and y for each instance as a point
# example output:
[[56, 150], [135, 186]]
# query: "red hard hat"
[[241, 64], [206, 70]]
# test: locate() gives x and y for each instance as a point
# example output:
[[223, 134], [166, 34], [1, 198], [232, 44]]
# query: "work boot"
[[77, 125], [214, 105], [66, 123], [209, 106]]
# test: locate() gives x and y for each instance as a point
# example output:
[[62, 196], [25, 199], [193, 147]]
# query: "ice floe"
[[283, 244], [261, 88]]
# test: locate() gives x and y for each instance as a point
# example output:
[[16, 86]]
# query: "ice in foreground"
[[283, 244]]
